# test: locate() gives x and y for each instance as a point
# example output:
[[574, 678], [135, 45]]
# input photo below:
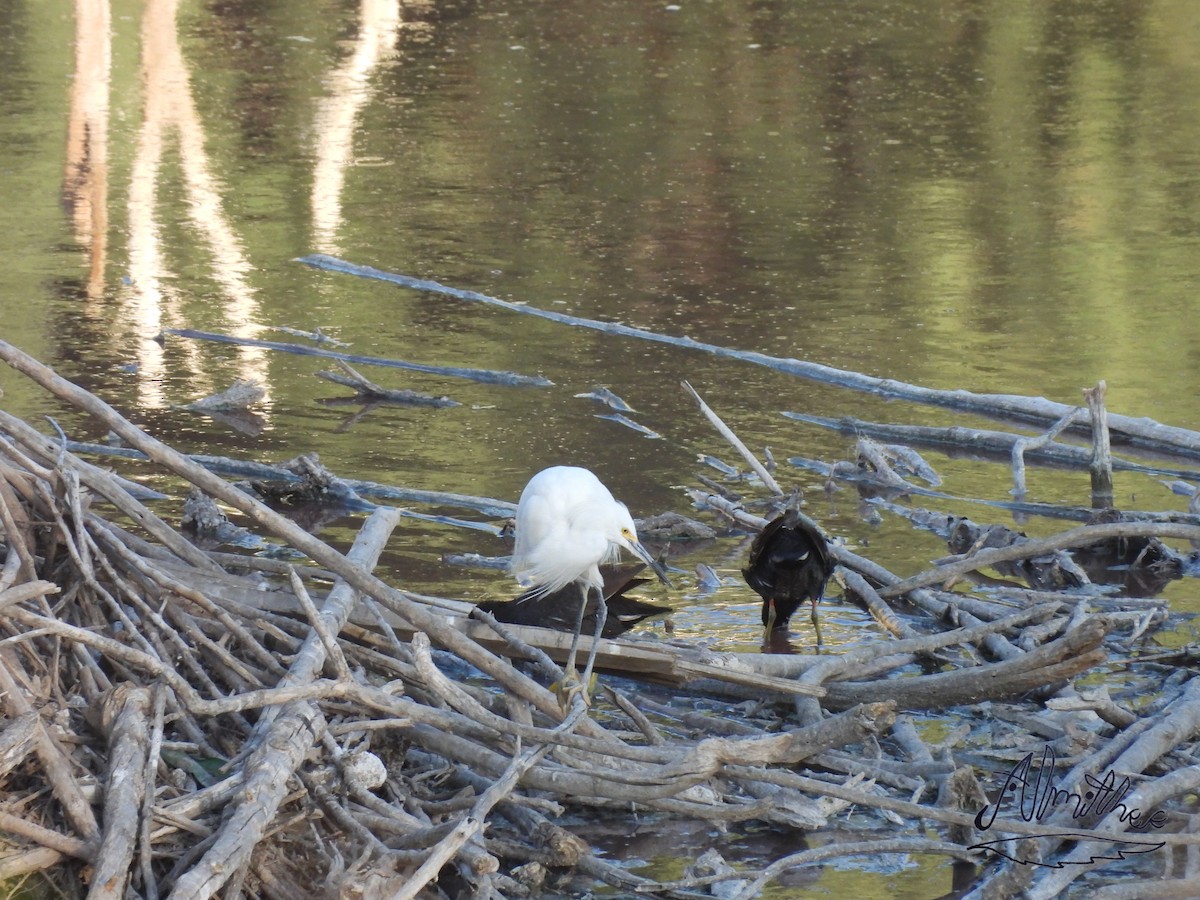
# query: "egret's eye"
[[626, 533]]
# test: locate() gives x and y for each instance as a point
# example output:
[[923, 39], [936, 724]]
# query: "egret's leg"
[[601, 616], [583, 599]]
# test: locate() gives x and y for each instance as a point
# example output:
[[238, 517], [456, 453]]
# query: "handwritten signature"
[[1034, 795]]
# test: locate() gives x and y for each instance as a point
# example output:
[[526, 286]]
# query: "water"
[[998, 199]]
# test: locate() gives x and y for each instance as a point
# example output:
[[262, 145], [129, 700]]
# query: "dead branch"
[[727, 433], [1101, 465], [1142, 432], [1075, 537], [240, 395], [482, 375], [1077, 651], [370, 392], [124, 714]]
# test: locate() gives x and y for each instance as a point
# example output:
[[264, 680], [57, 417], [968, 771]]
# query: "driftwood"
[[317, 336], [486, 376], [759, 469], [349, 700], [1101, 466], [1141, 432], [369, 391], [238, 396], [986, 443], [124, 716], [264, 472]]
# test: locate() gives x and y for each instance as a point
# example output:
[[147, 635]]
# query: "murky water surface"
[[1001, 199]]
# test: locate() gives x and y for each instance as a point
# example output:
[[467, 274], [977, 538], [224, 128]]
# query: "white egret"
[[568, 524]]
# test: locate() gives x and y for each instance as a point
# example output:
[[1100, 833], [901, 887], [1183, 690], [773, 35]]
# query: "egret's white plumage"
[[568, 524]]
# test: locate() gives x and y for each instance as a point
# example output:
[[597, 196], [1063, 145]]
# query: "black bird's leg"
[[816, 622]]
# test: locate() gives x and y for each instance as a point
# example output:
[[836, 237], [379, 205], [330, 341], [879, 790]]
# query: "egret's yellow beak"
[[656, 567]]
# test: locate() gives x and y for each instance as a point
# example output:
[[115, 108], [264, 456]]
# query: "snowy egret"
[[559, 609], [568, 524], [789, 562]]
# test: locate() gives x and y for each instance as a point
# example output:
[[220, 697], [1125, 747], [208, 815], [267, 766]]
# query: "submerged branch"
[[486, 376], [1141, 432]]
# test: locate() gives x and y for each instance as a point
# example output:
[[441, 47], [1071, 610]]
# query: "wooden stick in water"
[[1143, 432], [727, 433], [1101, 467]]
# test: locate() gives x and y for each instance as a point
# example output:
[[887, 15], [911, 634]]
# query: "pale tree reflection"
[[85, 183], [169, 109], [380, 26]]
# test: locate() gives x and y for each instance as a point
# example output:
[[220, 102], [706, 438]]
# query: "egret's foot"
[[570, 686]]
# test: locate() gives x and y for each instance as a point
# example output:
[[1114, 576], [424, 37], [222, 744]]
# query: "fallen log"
[[1141, 432], [124, 717], [980, 442], [485, 376], [370, 392], [1077, 651]]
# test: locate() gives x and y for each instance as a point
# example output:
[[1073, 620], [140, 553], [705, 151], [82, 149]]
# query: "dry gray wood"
[[241, 394], [472, 823], [1141, 889], [1075, 652], [235, 468], [1022, 446], [871, 458], [657, 786], [982, 442], [1051, 884], [726, 432], [124, 715], [371, 392], [1075, 537], [1101, 466], [17, 740], [15, 691], [153, 758], [857, 585], [49, 839], [19, 593], [18, 532], [722, 779], [103, 483], [18, 865], [317, 550], [285, 740]]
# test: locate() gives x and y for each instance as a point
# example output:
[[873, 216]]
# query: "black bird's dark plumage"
[[560, 609], [789, 563]]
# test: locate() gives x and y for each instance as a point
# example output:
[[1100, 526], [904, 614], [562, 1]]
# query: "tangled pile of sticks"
[[180, 721]]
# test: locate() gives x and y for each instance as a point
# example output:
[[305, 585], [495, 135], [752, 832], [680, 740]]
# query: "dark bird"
[[789, 562], [560, 609]]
